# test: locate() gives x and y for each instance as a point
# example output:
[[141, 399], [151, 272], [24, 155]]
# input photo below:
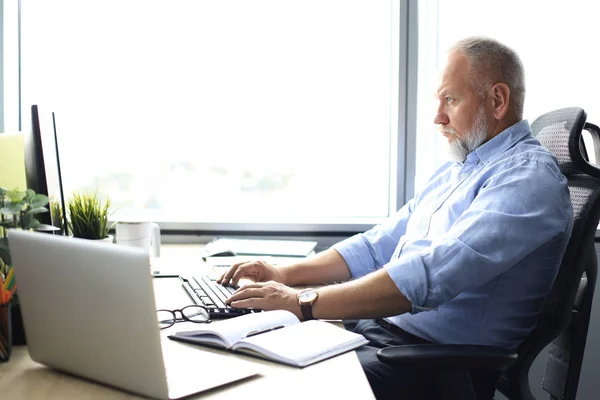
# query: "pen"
[[9, 285], [258, 332], [8, 278], [10, 293]]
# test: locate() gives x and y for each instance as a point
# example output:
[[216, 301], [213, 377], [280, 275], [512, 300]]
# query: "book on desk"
[[277, 336], [259, 247]]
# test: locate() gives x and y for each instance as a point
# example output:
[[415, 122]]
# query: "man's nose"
[[441, 119]]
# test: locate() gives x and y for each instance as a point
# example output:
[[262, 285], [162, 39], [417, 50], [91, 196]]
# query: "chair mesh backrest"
[[560, 132]]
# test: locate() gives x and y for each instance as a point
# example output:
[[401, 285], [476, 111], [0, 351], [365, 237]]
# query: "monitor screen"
[[41, 165]]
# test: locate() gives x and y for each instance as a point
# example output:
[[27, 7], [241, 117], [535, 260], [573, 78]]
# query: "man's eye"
[[449, 99]]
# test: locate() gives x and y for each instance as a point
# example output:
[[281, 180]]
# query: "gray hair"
[[492, 62]]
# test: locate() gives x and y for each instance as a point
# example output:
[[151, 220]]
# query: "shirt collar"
[[501, 142]]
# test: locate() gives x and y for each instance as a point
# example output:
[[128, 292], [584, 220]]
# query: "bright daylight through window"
[[267, 110], [556, 41]]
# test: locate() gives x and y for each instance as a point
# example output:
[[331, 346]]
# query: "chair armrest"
[[448, 356]]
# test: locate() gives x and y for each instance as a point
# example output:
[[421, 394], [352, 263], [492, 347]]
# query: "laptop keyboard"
[[205, 291]]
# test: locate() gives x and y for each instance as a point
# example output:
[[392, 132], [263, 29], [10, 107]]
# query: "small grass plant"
[[88, 215]]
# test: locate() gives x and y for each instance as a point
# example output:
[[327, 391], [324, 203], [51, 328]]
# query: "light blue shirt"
[[478, 249]]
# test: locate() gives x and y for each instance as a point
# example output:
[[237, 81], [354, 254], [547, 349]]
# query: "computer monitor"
[[61, 193], [42, 168]]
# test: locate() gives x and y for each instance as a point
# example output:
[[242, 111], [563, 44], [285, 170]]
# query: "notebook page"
[[303, 344]]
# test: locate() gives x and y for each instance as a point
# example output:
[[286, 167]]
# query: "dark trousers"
[[389, 382]]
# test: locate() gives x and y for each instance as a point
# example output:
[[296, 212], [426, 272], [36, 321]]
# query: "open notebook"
[[277, 336]]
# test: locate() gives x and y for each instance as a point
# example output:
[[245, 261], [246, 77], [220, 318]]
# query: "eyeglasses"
[[194, 313]]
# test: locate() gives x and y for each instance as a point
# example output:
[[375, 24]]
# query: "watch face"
[[307, 296]]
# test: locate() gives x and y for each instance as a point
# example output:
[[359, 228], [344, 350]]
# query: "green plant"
[[88, 216], [18, 210]]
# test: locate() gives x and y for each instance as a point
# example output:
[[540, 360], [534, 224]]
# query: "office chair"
[[564, 319]]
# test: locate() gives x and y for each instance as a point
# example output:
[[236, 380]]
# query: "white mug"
[[142, 234]]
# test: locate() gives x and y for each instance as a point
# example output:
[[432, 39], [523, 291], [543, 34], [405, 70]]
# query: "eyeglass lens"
[[197, 314]]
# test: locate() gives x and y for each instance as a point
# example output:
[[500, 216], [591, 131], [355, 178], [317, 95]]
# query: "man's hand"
[[267, 296], [257, 271]]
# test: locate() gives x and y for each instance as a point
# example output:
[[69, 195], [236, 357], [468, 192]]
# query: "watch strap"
[[306, 309]]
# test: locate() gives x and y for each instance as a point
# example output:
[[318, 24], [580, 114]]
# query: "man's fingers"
[[246, 293], [253, 285], [226, 277], [250, 296], [249, 270], [250, 303]]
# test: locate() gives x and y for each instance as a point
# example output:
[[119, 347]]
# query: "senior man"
[[469, 260]]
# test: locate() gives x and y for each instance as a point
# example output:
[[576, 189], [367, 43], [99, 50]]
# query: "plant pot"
[[108, 239]]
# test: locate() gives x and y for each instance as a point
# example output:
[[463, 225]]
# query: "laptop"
[[89, 309]]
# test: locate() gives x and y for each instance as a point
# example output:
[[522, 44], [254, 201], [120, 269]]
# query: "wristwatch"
[[307, 298]]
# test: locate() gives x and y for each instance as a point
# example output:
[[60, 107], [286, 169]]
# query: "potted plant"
[[88, 216], [18, 210]]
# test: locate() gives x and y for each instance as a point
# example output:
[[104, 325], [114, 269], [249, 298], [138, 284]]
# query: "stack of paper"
[[249, 247]]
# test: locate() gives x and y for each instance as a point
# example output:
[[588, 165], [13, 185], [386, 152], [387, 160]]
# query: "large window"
[[557, 42], [272, 111], [9, 49], [221, 111]]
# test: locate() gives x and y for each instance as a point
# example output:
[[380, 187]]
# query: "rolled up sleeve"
[[369, 251]]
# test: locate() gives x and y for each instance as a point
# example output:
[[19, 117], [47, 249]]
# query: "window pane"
[[556, 41], [10, 66], [219, 111]]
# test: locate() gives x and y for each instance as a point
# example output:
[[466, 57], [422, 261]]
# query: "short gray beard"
[[460, 147]]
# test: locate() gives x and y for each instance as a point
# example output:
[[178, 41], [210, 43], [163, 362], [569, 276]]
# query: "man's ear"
[[500, 96]]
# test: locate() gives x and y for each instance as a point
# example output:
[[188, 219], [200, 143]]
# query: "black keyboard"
[[205, 291]]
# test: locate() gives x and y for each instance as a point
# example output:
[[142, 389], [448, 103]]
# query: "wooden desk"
[[339, 377]]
